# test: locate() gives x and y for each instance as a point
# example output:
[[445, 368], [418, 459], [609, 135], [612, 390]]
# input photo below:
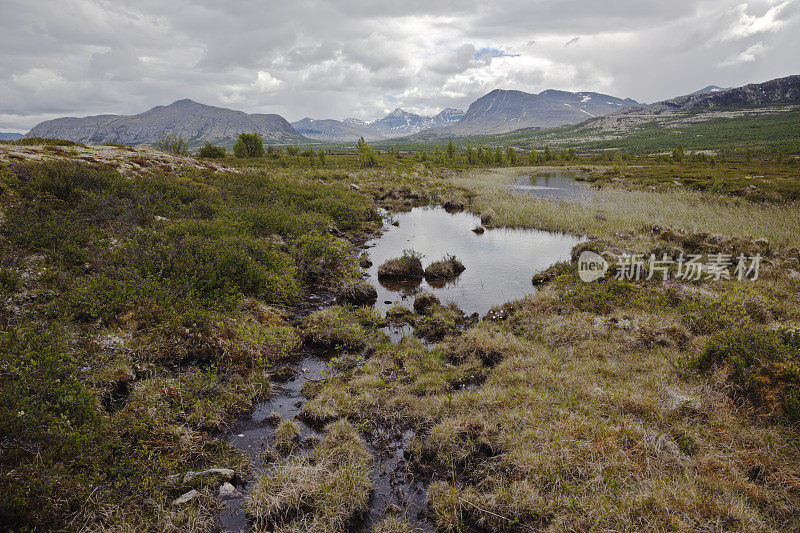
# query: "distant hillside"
[[196, 123], [763, 116], [711, 89], [396, 124], [10, 136], [502, 111], [749, 99]]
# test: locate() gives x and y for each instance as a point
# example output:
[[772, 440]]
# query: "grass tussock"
[[325, 492]]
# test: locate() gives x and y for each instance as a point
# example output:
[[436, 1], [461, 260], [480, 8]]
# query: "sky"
[[349, 58]]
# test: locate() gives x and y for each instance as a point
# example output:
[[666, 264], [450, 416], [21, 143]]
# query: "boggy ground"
[[145, 308], [615, 405]]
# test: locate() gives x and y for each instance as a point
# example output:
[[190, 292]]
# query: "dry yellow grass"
[[632, 210]]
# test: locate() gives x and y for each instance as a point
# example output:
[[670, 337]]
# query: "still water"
[[499, 263], [558, 185]]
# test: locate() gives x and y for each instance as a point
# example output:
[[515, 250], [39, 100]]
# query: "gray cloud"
[[334, 59]]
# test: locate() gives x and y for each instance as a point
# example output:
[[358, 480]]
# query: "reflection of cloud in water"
[[499, 263], [553, 185]]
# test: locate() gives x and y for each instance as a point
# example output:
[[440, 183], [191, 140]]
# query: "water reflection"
[[558, 185], [499, 263]]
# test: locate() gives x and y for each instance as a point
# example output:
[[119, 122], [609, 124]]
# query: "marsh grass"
[[322, 493], [636, 210]]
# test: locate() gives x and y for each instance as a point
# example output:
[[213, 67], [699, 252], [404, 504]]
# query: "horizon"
[[83, 58]]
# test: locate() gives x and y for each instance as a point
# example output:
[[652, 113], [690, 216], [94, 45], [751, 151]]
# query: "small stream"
[[499, 265]]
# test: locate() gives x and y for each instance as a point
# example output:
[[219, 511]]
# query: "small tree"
[[248, 145], [511, 155], [171, 143], [678, 153], [547, 154], [498, 155], [321, 155], [212, 151], [366, 152], [533, 157], [451, 150]]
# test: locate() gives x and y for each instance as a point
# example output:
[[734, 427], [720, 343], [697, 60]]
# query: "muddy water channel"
[[499, 265], [557, 185]]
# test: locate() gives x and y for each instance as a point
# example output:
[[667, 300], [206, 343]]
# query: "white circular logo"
[[591, 266]]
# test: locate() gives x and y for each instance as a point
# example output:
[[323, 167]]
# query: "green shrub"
[[211, 151], [248, 145], [763, 364], [171, 143]]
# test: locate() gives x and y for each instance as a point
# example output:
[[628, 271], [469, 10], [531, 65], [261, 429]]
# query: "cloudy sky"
[[350, 58]]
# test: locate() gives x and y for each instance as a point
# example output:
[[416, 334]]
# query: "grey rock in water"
[[228, 492]]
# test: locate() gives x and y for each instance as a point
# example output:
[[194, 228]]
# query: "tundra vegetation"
[[144, 306]]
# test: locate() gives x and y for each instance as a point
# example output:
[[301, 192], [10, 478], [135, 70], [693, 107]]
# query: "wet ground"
[[499, 266], [499, 263], [557, 185]]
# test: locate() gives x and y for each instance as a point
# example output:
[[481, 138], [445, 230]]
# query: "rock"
[[354, 187], [364, 261], [479, 230], [406, 267], [600, 216], [487, 217], [424, 301], [183, 499], [228, 492], [225, 473], [357, 293], [173, 479]]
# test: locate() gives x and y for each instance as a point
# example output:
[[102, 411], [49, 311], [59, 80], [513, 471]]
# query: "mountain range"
[[395, 124], [10, 136], [502, 111], [499, 111], [196, 123]]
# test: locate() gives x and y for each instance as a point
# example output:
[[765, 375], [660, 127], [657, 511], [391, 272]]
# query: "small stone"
[[186, 498], [225, 473], [228, 492], [479, 230]]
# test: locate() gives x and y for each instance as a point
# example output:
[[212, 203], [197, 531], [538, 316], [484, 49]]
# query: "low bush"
[[211, 151], [763, 364]]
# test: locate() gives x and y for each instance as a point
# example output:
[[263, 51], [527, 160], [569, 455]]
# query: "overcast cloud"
[[348, 58]]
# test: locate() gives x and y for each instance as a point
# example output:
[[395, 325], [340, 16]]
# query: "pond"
[[558, 185], [499, 263]]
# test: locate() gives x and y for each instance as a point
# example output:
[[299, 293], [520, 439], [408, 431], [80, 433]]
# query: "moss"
[[339, 327]]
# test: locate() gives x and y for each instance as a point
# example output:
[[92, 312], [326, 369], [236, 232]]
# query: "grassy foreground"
[[145, 306]]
